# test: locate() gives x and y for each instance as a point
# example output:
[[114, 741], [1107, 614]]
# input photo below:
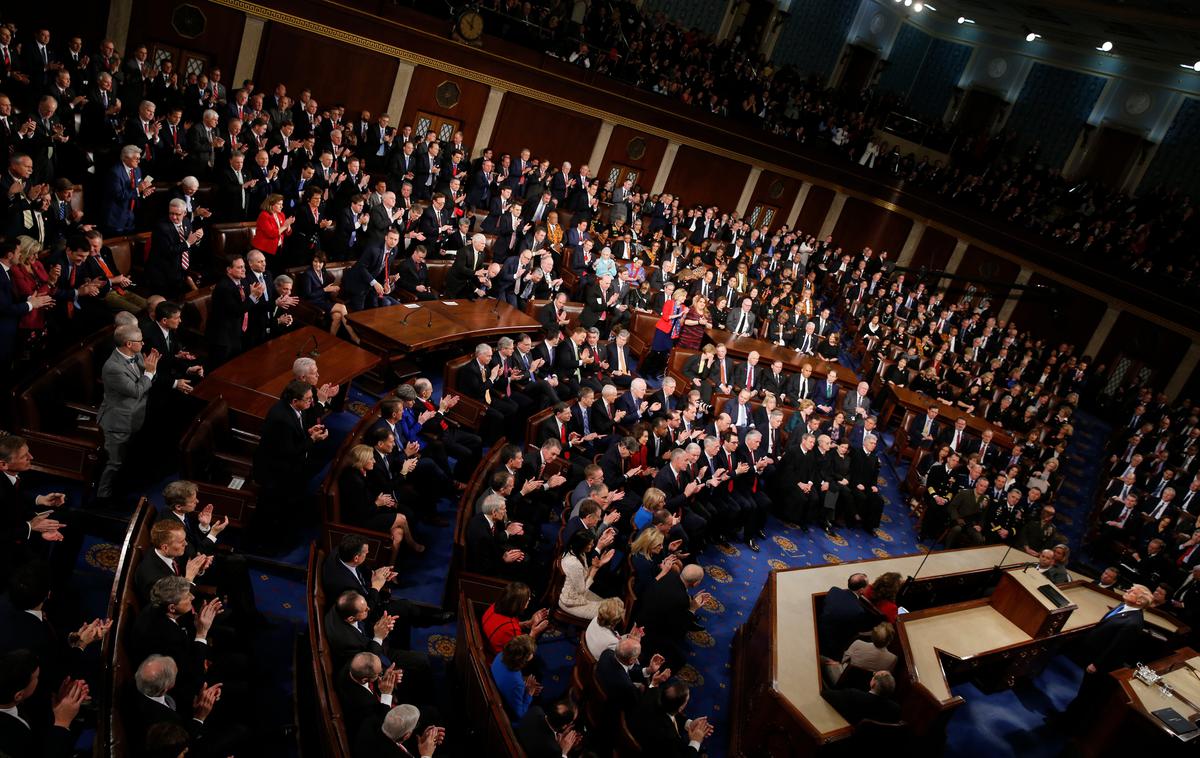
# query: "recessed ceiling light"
[[918, 7], [965, 20], [1032, 36], [1106, 47], [907, 3]]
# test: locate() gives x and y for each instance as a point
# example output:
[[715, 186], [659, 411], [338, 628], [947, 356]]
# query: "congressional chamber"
[[598, 378]]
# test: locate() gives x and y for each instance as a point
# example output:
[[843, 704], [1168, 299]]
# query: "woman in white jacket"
[[579, 568]]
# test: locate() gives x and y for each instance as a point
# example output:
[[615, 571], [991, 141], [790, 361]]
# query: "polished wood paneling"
[[701, 178], [422, 96], [1139, 339], [150, 22], [812, 213], [934, 250], [862, 224], [777, 190], [1056, 313], [618, 152], [550, 132], [306, 61]]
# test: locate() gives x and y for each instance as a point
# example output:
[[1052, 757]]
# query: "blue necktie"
[[1113, 612]]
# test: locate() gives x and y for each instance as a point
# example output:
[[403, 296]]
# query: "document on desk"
[[412, 305], [449, 302]]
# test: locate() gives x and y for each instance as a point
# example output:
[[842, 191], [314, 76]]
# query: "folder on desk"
[[1175, 721]]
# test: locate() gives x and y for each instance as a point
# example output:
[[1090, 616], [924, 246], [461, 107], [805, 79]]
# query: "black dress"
[[356, 502]]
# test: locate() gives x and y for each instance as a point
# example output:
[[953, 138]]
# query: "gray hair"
[[131, 151], [301, 366], [210, 113], [169, 590], [253, 255], [692, 574], [400, 722], [189, 182], [479, 238], [125, 318], [482, 348], [753, 434], [422, 385], [692, 448], [156, 675], [608, 390], [177, 205], [628, 650], [677, 455], [124, 334], [281, 280], [638, 383], [504, 343], [491, 504]]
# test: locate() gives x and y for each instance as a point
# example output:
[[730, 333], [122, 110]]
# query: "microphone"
[[314, 352], [429, 323], [912, 578], [496, 309], [411, 311]]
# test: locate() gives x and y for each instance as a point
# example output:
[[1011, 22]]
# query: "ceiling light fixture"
[[1192, 66], [929, 7], [1106, 47], [918, 7], [1032, 36], [907, 3]]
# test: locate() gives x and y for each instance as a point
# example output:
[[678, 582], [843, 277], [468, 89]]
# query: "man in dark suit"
[[349, 633], [662, 729], [414, 275], [549, 733], [1109, 645], [463, 276], [624, 680], [173, 243], [43, 734], [875, 704], [233, 298], [668, 613], [356, 686], [369, 282], [281, 461], [845, 615], [489, 549]]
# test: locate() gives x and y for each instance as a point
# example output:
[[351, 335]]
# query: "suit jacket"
[[666, 607], [411, 277], [734, 319], [17, 739], [126, 389], [1112, 643], [843, 617], [460, 279], [485, 546], [231, 305], [123, 198], [655, 732], [620, 686], [856, 705], [283, 451], [346, 641], [852, 412]]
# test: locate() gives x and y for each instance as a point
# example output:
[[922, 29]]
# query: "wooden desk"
[[769, 352], [1125, 723], [778, 708], [401, 328], [252, 382], [914, 403]]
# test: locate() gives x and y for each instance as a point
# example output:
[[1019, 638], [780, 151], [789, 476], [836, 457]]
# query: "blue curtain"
[[939, 74], [812, 38], [1052, 107], [1177, 157], [908, 52]]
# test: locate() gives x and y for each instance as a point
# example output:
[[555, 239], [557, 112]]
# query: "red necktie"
[[562, 436], [246, 315], [133, 186]]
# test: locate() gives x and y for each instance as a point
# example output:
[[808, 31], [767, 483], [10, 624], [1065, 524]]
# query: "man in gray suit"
[[857, 405], [127, 378], [741, 322], [620, 202]]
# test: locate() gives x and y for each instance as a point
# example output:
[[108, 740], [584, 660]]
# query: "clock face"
[[878, 23], [997, 67], [470, 25], [1138, 103], [188, 21]]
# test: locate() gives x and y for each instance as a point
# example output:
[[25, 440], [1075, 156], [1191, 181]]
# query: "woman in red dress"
[[272, 227], [29, 277], [666, 332]]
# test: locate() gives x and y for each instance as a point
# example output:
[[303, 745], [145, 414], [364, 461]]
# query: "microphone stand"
[[496, 310], [404, 320], [908, 582]]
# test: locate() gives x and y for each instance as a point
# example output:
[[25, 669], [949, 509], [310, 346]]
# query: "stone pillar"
[[956, 259], [120, 13], [248, 51], [664, 168], [911, 243], [801, 196], [404, 75], [598, 149], [743, 204], [487, 123], [727, 21], [1014, 296], [831, 218], [1186, 367], [1102, 330]]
